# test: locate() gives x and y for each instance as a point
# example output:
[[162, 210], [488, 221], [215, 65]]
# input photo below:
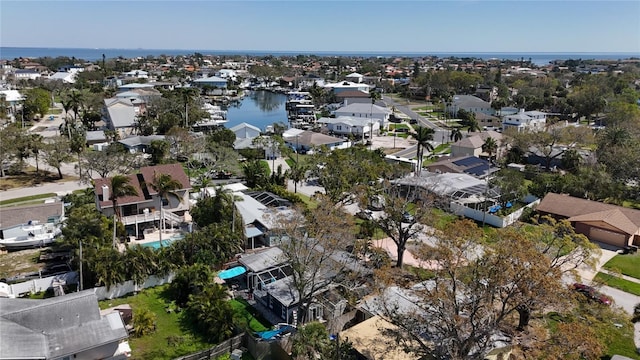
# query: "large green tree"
[[119, 186]]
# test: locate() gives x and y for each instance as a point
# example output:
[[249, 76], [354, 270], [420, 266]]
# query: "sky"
[[481, 26]]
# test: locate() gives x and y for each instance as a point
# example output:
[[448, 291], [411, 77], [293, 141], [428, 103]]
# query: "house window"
[[270, 302], [284, 313], [165, 201], [339, 127]]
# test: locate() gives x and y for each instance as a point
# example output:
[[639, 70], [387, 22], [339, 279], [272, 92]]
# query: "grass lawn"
[[618, 283], [247, 313], [27, 199], [398, 126], [29, 177], [170, 326], [311, 204], [628, 264], [442, 219], [442, 148]]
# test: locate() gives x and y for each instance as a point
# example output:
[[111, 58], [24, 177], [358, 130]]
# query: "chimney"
[[105, 192]]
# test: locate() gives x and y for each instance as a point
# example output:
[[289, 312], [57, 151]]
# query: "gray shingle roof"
[[55, 327]]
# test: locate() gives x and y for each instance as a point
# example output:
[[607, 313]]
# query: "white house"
[[355, 77], [346, 86], [119, 115], [347, 125], [65, 77], [137, 74], [11, 97], [212, 81], [525, 120], [469, 103], [367, 111], [227, 74], [304, 141], [25, 74], [246, 131]]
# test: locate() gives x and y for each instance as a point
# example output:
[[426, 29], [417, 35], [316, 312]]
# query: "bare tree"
[[314, 245]]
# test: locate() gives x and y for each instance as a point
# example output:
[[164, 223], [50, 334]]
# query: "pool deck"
[[153, 237]]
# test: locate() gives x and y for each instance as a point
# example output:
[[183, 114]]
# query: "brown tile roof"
[[573, 207], [613, 217], [352, 94], [140, 180]]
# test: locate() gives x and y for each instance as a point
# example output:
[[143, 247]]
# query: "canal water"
[[260, 109]]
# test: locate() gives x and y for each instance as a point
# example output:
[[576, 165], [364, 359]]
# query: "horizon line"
[[336, 51]]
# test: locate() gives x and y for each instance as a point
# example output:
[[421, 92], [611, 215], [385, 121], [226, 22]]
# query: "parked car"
[[592, 294], [413, 121]]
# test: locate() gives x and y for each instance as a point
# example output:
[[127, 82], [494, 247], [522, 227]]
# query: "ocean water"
[[10, 53]]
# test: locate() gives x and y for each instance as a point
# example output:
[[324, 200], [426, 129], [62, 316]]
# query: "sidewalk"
[[59, 188]]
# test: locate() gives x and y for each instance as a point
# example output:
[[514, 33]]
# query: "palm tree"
[[374, 96], [165, 185], [473, 124], [490, 146], [456, 135], [422, 135], [36, 144], [120, 187], [297, 173]]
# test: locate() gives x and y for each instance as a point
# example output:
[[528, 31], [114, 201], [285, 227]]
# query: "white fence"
[[42, 284], [488, 218], [129, 287], [115, 291]]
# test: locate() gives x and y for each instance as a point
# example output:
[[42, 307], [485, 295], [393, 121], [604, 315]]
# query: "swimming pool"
[[166, 242]]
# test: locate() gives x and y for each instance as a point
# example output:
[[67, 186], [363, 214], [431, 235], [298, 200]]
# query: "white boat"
[[29, 235]]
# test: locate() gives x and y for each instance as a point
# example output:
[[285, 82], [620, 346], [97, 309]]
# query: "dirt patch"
[[19, 262]]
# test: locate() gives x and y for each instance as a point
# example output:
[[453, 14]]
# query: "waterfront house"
[[143, 210], [136, 74], [304, 141], [353, 96], [525, 121], [347, 125], [245, 131], [213, 82], [62, 327], [346, 86], [366, 111]]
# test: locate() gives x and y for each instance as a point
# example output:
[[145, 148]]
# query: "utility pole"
[[80, 283]]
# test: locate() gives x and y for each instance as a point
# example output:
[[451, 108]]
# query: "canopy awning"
[[231, 273], [250, 232]]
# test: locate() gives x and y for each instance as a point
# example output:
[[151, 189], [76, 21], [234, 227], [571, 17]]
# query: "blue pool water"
[[165, 242]]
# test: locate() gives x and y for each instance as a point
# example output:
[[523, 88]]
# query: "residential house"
[[13, 99], [245, 131], [355, 78], [62, 327], [264, 266], [472, 145], [486, 93], [65, 77], [229, 74], [96, 137], [136, 74], [337, 88], [213, 82], [120, 115], [304, 141], [260, 219], [469, 103], [525, 121], [143, 210], [469, 165], [353, 96], [139, 143], [489, 122], [367, 111], [25, 74], [134, 86], [347, 125], [606, 223]]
